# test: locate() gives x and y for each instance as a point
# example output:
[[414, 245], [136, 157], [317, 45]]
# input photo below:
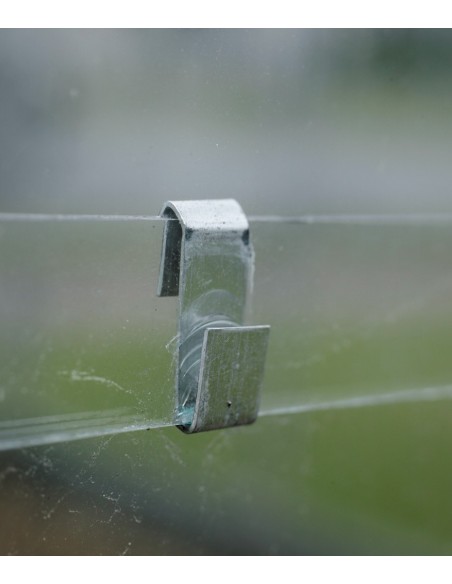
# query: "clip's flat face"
[[232, 369], [208, 260]]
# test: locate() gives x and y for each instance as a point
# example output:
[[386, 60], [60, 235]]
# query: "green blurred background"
[[288, 123]]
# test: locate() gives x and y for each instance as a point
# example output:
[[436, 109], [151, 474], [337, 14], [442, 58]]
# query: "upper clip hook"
[[208, 260]]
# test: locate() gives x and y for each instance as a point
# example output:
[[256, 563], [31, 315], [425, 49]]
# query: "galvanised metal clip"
[[208, 261]]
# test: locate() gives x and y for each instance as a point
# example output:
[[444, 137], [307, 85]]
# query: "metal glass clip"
[[208, 261]]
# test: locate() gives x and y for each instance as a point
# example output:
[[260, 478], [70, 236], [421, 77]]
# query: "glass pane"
[[353, 436], [83, 336], [359, 311]]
